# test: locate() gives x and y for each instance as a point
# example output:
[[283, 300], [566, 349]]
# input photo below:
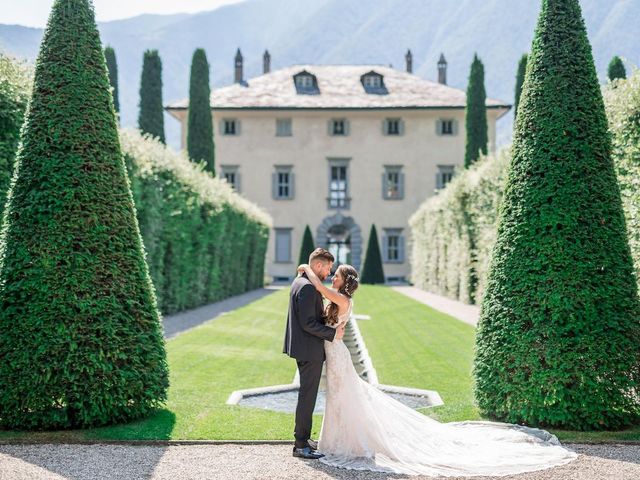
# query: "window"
[[444, 175], [306, 83], [393, 126], [446, 127], [338, 127], [283, 245], [283, 127], [338, 184], [231, 176], [393, 245], [373, 83], [283, 183], [230, 126], [393, 182]]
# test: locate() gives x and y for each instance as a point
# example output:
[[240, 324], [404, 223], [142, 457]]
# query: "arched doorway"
[[342, 237]]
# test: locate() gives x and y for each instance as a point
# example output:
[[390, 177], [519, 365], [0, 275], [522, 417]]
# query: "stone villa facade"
[[339, 148]]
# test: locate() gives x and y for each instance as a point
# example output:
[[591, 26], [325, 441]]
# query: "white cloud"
[[34, 13]]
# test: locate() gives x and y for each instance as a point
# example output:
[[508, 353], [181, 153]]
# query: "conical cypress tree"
[[112, 67], [522, 69], [372, 271], [200, 129], [80, 336], [151, 119], [558, 341], [476, 114], [306, 247], [616, 69]]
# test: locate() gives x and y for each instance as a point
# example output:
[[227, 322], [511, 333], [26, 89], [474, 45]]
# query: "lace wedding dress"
[[365, 429]]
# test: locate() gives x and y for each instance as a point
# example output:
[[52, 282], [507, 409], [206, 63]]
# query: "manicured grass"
[[410, 344]]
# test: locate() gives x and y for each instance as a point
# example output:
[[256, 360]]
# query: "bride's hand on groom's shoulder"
[[302, 267]]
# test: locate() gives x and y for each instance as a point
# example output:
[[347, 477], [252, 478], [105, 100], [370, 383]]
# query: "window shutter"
[[439, 127], [347, 127], [237, 127], [274, 185], [385, 248], [455, 127], [438, 182], [384, 185], [400, 127], [401, 186], [238, 182], [330, 128], [384, 127], [292, 185], [401, 248], [221, 127]]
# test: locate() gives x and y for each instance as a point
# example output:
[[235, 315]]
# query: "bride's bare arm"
[[328, 293]]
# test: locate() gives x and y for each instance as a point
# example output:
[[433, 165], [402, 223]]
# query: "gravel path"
[[180, 322], [462, 311], [266, 461]]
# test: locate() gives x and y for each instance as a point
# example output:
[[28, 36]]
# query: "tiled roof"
[[340, 87]]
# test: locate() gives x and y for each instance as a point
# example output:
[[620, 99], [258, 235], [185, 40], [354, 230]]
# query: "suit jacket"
[[306, 331]]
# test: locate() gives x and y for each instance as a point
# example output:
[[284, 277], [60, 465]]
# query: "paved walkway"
[[240, 462], [180, 322], [467, 313]]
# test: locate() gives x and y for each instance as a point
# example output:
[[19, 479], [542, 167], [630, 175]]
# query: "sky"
[[34, 13]]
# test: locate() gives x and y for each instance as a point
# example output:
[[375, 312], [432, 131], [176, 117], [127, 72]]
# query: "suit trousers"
[[310, 373]]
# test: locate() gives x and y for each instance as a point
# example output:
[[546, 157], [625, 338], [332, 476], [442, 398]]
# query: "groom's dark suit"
[[304, 341]]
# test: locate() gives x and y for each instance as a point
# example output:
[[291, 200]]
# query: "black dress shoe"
[[313, 444], [307, 453]]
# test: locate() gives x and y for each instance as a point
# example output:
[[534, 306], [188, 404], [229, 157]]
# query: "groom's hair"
[[322, 255]]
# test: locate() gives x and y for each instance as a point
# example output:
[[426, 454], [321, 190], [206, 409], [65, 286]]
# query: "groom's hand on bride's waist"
[[339, 332]]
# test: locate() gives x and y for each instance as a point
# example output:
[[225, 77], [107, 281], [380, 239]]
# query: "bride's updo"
[[348, 288]]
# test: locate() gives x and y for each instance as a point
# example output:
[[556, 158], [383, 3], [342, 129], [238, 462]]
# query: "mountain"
[[344, 31]]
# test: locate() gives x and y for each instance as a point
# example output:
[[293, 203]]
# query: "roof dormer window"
[[373, 83], [306, 83]]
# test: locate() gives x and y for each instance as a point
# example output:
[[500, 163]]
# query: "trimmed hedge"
[[454, 231], [440, 259], [81, 342], [306, 247], [372, 270], [622, 100], [204, 242], [15, 85]]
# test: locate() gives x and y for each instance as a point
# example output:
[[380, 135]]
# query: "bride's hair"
[[348, 288]]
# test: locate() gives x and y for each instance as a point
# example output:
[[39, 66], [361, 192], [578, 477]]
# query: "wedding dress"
[[365, 429]]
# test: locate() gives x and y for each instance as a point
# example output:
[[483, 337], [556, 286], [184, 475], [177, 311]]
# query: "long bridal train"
[[365, 429]]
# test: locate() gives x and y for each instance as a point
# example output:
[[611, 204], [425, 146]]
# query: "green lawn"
[[410, 344]]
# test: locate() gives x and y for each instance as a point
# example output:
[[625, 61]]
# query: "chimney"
[[266, 62], [238, 65], [409, 59], [442, 70]]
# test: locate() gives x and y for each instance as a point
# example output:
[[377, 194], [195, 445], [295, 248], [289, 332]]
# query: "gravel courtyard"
[[264, 461]]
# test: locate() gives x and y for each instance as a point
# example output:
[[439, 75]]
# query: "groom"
[[304, 341]]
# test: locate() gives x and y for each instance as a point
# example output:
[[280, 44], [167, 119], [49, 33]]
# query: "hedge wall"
[[203, 241], [15, 86], [453, 232]]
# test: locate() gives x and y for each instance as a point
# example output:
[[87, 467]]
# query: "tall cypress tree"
[[372, 271], [616, 69], [112, 67], [200, 127], [522, 69], [306, 247], [476, 114], [151, 117], [80, 336], [558, 341]]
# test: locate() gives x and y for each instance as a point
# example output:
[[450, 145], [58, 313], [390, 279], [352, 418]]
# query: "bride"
[[365, 429]]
